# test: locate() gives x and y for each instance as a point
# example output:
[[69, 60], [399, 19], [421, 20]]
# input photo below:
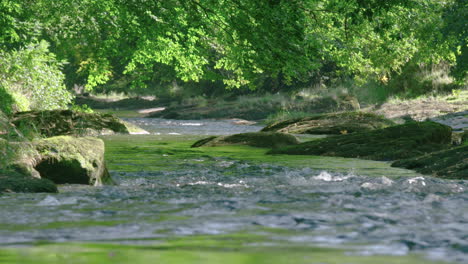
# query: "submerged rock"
[[451, 163], [66, 122], [62, 159], [254, 139], [335, 123], [392, 143]]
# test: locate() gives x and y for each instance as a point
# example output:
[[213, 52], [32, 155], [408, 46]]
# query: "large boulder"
[[66, 122], [451, 163], [65, 159], [14, 181], [334, 123], [392, 143], [254, 139], [62, 159]]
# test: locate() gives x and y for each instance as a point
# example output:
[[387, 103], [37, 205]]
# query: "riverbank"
[[450, 110]]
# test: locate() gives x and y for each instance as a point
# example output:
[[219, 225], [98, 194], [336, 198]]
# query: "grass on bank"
[[283, 106]]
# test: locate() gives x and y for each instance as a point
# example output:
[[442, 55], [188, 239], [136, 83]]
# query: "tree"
[[456, 30], [241, 42]]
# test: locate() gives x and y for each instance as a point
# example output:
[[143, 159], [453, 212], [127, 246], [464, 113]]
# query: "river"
[[365, 207]]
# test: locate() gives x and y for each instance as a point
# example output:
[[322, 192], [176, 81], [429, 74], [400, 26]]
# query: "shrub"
[[30, 78], [6, 101]]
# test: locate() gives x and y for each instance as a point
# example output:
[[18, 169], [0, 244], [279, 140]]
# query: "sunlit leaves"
[[33, 78], [238, 41]]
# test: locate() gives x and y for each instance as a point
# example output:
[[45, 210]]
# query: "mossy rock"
[[391, 143], [450, 163], [66, 159], [254, 139], [334, 123], [11, 181], [66, 122], [62, 159]]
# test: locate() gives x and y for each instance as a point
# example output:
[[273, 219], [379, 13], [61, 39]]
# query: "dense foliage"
[[243, 43], [30, 78]]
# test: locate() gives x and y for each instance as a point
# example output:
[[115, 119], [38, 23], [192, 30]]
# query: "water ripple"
[[390, 214]]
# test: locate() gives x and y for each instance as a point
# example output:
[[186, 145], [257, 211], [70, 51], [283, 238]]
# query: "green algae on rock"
[[66, 159], [335, 123], [66, 122], [392, 143], [62, 159], [254, 139], [173, 153], [451, 163], [11, 181]]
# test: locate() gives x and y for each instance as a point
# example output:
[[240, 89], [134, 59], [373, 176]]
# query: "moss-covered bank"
[[392, 143], [12, 181], [335, 123], [257, 108], [66, 122], [450, 163]]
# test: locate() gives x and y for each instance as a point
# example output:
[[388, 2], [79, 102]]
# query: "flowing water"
[[393, 212], [192, 127]]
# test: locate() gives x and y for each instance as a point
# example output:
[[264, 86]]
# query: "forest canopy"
[[241, 43]]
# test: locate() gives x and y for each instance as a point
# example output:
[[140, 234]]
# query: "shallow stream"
[[369, 208]]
